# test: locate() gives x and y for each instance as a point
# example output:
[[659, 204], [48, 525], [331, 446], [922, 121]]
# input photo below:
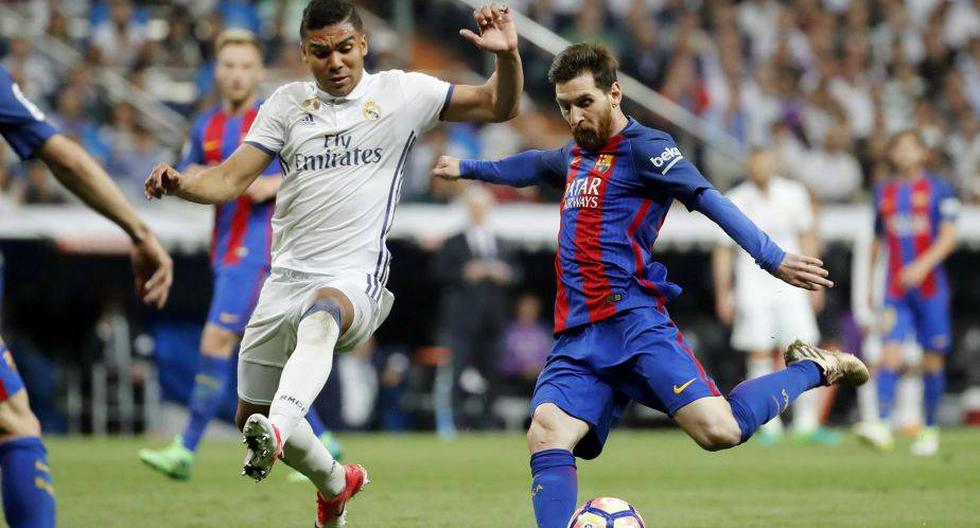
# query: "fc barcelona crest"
[[372, 112], [603, 163]]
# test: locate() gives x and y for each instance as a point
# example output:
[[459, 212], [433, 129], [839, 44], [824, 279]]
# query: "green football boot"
[[174, 461]]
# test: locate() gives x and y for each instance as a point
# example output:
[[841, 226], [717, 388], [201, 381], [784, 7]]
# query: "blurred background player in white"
[[239, 247], [915, 219], [767, 315], [28, 494], [343, 139]]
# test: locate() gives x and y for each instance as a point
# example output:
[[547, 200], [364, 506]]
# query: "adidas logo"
[[307, 120]]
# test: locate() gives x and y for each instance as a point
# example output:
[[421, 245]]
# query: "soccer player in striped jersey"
[[915, 220], [342, 138], [615, 340], [239, 245], [28, 493]]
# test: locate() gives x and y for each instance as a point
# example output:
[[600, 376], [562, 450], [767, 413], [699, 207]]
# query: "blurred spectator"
[[831, 171], [119, 40], [476, 269], [31, 71], [358, 385], [133, 156], [527, 342], [40, 187], [74, 120]]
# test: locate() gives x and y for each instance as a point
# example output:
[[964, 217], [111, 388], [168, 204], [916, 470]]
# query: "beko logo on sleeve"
[[668, 157]]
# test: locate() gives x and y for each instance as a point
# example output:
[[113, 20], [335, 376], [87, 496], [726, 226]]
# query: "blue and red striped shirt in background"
[[242, 228], [908, 215], [615, 202]]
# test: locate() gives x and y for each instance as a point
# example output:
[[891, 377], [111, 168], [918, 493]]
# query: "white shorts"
[[771, 321], [270, 336]]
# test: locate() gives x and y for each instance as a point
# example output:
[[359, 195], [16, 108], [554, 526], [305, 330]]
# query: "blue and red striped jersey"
[[908, 215], [242, 228], [614, 204]]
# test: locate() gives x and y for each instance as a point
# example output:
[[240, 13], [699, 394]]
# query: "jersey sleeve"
[[531, 167], [947, 207], [192, 153], [22, 123], [268, 131], [660, 166], [426, 97]]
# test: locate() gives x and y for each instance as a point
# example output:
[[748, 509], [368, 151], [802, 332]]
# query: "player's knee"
[[718, 434], [217, 342], [17, 419], [892, 357], [333, 302], [933, 362], [551, 428]]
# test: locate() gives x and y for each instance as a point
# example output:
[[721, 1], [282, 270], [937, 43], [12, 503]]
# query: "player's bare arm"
[[264, 189], [498, 99], [912, 275], [217, 184], [447, 168], [85, 178]]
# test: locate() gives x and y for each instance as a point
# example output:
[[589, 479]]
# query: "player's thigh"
[[663, 371], [363, 310], [573, 387], [710, 422], [237, 289], [933, 329]]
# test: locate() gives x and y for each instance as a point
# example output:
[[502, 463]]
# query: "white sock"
[[305, 372], [757, 369], [868, 401], [806, 415], [305, 453]]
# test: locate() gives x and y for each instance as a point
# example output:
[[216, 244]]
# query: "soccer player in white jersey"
[[342, 139], [766, 315]]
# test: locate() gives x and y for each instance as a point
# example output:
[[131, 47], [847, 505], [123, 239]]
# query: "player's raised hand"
[[447, 168], [804, 272], [163, 180], [498, 33], [153, 271]]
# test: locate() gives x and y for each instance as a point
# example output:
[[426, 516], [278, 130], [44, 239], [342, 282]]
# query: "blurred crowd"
[[825, 82]]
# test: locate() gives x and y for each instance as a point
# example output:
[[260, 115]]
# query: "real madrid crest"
[[311, 105], [372, 112]]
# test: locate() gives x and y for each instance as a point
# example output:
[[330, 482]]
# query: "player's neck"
[[620, 122], [911, 174], [236, 107]]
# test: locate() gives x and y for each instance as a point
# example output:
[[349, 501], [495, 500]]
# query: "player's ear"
[[302, 52], [616, 93], [364, 45]]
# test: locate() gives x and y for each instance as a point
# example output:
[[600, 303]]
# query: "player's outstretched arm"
[[499, 98], [217, 184], [85, 178], [531, 167]]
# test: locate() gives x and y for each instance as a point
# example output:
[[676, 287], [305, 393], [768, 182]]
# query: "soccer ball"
[[606, 512]]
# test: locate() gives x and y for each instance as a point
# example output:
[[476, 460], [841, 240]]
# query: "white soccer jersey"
[[343, 160], [784, 213]]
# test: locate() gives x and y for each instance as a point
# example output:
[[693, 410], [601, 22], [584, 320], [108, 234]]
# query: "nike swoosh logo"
[[678, 390]]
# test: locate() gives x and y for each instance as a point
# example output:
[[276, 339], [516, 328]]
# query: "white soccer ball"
[[606, 512]]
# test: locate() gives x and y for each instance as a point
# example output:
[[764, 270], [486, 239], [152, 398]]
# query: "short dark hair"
[[322, 13], [581, 58]]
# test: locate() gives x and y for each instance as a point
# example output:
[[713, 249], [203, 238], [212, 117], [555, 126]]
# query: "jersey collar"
[[358, 92]]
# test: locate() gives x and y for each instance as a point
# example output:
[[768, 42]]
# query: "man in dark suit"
[[476, 270]]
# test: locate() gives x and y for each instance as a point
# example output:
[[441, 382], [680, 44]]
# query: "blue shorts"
[[10, 381], [594, 371], [236, 291], [926, 318]]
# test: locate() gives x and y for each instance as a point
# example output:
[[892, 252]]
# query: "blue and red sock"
[[28, 495], [209, 388], [756, 401], [887, 380], [934, 385], [554, 488]]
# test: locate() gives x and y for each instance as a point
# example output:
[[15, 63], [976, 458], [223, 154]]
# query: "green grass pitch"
[[482, 481]]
